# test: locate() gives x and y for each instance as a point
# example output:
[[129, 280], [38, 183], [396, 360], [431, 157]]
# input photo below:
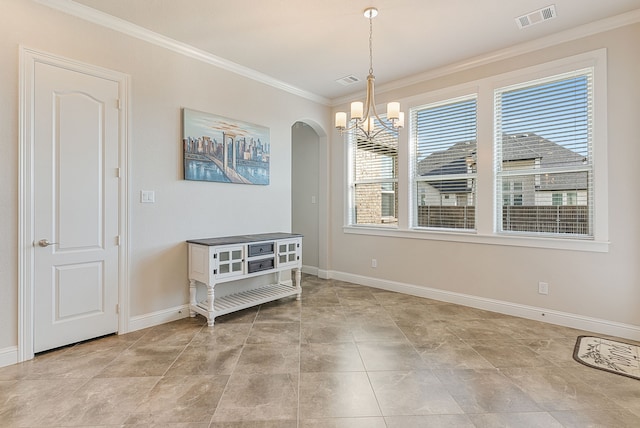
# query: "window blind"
[[543, 156], [444, 164], [374, 198]]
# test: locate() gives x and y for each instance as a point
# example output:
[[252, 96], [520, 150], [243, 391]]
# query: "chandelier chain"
[[370, 44]]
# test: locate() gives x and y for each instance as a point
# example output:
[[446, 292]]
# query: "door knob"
[[46, 243]]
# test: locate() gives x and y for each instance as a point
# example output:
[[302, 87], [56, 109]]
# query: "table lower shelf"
[[246, 299]]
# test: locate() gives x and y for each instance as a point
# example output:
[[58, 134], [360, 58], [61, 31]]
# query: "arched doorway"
[[305, 193]]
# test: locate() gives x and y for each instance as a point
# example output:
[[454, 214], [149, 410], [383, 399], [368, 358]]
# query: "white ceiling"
[[309, 44]]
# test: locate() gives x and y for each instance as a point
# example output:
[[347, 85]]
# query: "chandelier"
[[364, 117]]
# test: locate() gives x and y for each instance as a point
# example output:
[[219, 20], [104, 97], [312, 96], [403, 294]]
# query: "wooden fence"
[[560, 219], [564, 219], [453, 217]]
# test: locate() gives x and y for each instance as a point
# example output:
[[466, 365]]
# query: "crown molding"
[[100, 18], [582, 31], [125, 27]]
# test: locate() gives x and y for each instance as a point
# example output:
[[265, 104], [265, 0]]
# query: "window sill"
[[475, 238]]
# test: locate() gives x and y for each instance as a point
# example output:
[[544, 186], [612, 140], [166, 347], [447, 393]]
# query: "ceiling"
[[310, 44]]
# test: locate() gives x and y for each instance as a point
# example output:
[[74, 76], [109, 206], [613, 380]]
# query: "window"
[[374, 180], [543, 156], [444, 164], [515, 159], [512, 192], [388, 201]]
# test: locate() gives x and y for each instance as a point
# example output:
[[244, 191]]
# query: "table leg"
[[298, 276], [192, 297], [210, 304]]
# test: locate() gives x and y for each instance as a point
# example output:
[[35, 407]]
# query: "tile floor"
[[346, 356]]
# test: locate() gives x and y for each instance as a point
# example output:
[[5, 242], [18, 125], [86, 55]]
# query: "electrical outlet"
[[543, 288], [374, 263]]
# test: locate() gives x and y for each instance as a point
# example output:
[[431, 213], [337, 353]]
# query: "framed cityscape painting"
[[224, 150]]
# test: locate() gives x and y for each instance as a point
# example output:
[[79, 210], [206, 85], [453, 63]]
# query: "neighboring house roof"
[[451, 161], [520, 147], [532, 146]]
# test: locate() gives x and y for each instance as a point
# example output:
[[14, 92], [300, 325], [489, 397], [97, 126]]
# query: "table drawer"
[[259, 265], [260, 249]]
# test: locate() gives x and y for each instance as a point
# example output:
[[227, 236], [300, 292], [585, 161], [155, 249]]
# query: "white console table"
[[216, 260]]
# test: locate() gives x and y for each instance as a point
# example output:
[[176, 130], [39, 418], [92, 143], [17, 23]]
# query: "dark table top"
[[242, 239]]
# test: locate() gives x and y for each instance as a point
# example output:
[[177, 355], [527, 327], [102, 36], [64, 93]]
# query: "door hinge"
[[118, 172], [119, 104], [117, 308], [117, 240]]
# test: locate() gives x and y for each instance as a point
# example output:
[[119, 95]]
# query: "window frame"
[[415, 180], [388, 222], [485, 232], [518, 172]]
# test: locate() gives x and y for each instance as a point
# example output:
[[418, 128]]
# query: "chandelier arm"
[[371, 94], [368, 98], [371, 99], [371, 135], [357, 125], [353, 126], [383, 122], [386, 126]]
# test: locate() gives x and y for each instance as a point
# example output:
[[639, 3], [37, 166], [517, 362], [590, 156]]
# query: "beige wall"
[[305, 192], [604, 286], [161, 83], [601, 286]]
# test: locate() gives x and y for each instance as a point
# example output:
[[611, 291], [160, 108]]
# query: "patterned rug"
[[608, 355]]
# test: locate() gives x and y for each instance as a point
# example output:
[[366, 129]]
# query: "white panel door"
[[76, 206]]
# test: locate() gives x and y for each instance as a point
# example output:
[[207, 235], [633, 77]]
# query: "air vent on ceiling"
[[536, 17], [348, 80]]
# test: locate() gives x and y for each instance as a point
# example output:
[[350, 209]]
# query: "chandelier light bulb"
[[393, 110], [357, 110]]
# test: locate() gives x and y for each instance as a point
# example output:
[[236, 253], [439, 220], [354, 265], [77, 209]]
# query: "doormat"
[[608, 355]]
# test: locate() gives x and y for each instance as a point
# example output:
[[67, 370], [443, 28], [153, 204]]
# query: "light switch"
[[147, 196]]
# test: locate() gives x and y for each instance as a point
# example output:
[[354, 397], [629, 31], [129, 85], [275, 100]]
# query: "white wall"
[[598, 290], [161, 83]]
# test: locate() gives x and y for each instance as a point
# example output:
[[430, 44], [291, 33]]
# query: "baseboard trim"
[[310, 270], [324, 274], [152, 319], [8, 356], [596, 325]]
